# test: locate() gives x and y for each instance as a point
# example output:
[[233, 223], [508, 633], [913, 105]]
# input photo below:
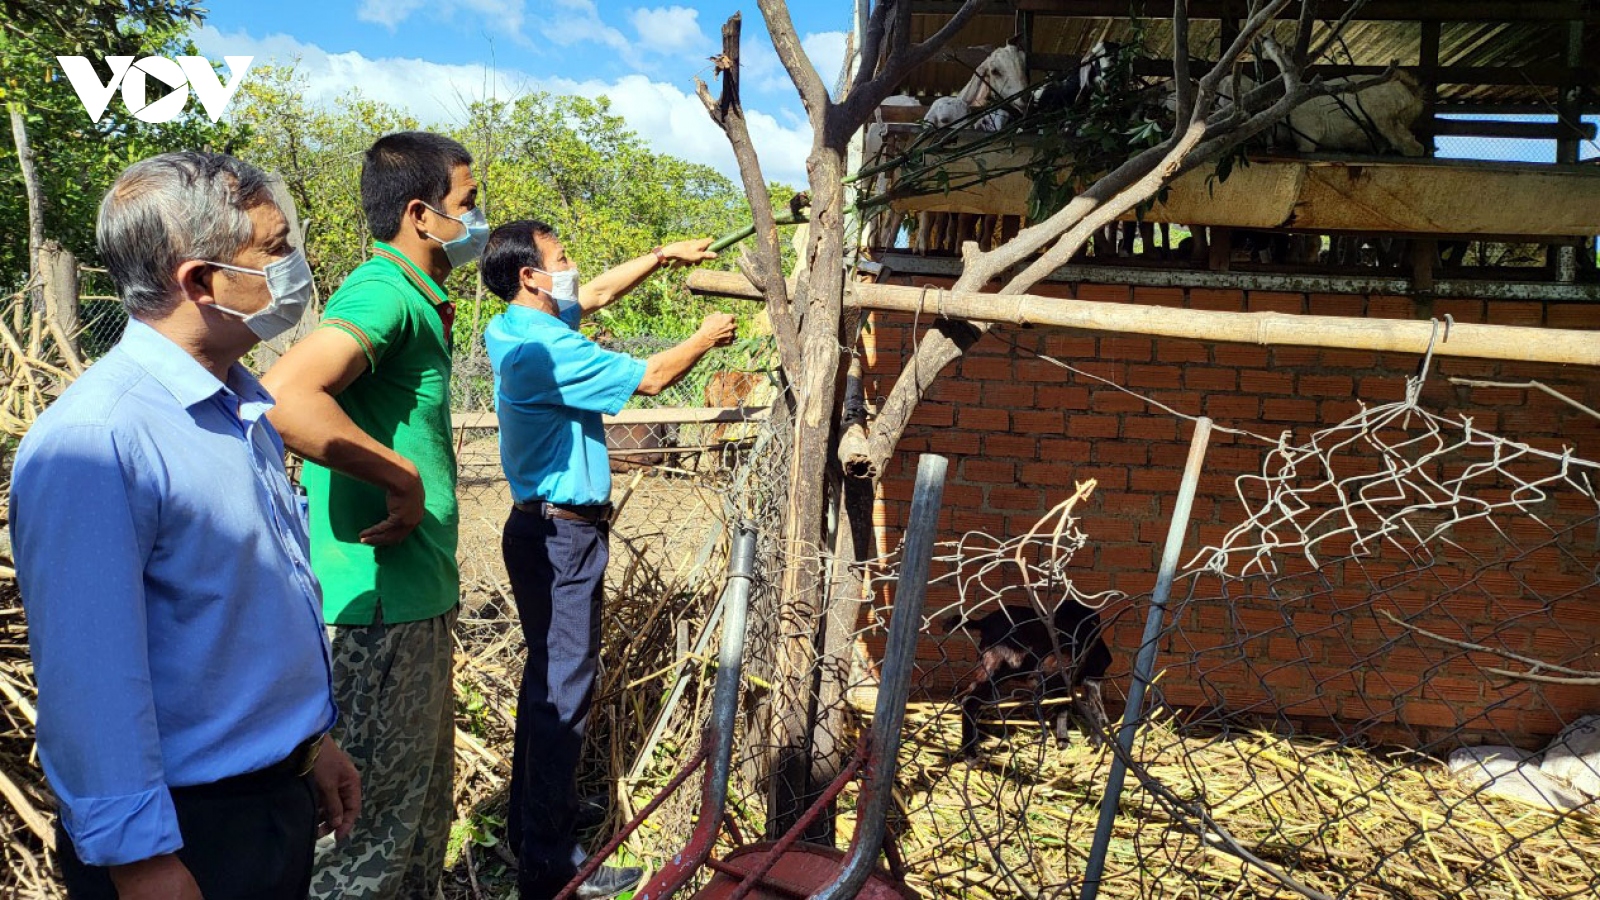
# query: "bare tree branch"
[[813, 93], [1180, 60], [764, 266], [1536, 668], [872, 44], [902, 59]]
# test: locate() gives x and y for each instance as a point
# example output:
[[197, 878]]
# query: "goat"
[[1374, 119], [1015, 646], [1003, 75]]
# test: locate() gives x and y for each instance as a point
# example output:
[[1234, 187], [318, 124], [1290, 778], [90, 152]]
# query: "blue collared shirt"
[[551, 386], [175, 626]]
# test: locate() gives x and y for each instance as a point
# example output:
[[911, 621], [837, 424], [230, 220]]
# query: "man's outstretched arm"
[[617, 281]]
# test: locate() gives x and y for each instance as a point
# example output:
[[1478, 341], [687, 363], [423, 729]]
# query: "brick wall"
[[1314, 651]]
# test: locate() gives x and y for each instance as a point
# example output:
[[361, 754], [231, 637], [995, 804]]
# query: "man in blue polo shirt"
[[552, 386], [185, 692]]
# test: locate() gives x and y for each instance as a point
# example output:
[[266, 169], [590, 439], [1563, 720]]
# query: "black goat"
[[1017, 651]]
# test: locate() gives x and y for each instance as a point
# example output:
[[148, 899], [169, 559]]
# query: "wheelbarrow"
[[787, 868]]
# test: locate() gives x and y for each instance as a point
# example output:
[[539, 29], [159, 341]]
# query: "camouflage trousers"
[[397, 722]]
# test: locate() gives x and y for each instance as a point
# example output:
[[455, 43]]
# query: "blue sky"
[[429, 55]]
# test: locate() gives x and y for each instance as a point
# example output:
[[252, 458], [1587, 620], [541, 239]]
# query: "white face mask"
[[288, 283], [563, 287], [474, 236]]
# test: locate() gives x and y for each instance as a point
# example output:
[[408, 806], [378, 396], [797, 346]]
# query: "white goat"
[[1373, 119], [1002, 74]]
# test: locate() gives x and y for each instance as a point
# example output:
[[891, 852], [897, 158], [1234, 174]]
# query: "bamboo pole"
[[1505, 342]]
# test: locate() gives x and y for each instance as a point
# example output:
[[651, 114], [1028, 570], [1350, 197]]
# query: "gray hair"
[[169, 209]]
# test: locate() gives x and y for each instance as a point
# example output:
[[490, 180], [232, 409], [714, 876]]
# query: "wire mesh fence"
[[1345, 684]]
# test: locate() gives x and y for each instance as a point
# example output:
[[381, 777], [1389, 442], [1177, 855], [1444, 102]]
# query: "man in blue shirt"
[[552, 386], [184, 685]]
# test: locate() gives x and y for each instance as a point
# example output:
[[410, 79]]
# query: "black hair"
[[511, 249], [402, 167]]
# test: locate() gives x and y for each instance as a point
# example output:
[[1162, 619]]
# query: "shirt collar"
[[419, 279], [183, 376]]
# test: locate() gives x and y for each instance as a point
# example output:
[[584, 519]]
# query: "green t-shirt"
[[402, 400]]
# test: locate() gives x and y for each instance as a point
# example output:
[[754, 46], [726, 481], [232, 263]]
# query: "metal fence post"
[[1144, 664]]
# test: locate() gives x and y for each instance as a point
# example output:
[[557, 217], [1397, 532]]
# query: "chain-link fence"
[[1344, 681]]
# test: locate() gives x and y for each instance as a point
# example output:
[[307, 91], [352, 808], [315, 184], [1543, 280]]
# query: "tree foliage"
[[77, 159]]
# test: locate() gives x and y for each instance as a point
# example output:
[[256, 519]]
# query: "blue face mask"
[[290, 287], [474, 236]]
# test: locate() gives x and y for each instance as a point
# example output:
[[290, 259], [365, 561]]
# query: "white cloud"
[[826, 49], [669, 118], [506, 16], [581, 23], [669, 29]]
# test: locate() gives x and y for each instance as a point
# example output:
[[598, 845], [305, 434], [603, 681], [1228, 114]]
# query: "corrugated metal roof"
[[1506, 46]]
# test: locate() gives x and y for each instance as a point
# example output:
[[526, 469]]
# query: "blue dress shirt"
[[551, 386], [175, 626]]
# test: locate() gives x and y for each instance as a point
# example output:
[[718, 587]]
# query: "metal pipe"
[[895, 685], [1144, 664], [724, 713]]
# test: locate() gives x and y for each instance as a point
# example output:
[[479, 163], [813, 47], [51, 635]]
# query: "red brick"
[[987, 368], [1155, 481], [1038, 370], [1125, 453], [1058, 449], [1201, 379], [1382, 390], [990, 471], [1508, 312], [1007, 395], [1268, 301], [1232, 408], [1051, 474], [964, 520], [1127, 556], [1327, 385], [1111, 478], [1102, 530], [1015, 498], [1112, 401], [1104, 293], [1339, 410], [1257, 381], [934, 415], [1013, 445], [1154, 376], [1059, 397], [1149, 428], [1348, 359], [1221, 300], [1282, 410], [1092, 426], [1573, 315], [1244, 356], [1157, 296], [1137, 349], [1387, 307], [1462, 310], [1069, 345], [955, 390], [977, 418], [1295, 357], [1038, 421], [952, 442], [1171, 350], [1350, 305], [1112, 501]]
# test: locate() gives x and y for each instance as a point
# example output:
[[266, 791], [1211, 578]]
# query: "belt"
[[297, 764], [600, 512]]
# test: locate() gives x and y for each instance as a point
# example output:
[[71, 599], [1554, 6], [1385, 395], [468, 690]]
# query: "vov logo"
[[180, 76]]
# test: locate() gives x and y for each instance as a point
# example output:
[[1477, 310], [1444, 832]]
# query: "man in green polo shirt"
[[366, 400]]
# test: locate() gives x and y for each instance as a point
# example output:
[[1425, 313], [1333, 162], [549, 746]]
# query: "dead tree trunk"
[[58, 269]]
